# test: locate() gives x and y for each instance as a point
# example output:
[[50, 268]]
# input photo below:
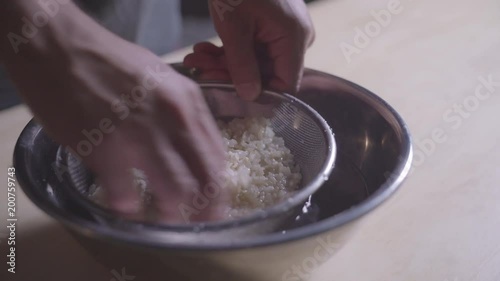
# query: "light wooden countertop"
[[444, 224]]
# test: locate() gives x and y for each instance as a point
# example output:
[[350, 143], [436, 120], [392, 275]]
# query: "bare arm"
[[116, 105], [37, 38]]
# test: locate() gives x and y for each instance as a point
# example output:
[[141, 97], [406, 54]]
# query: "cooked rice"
[[260, 170]]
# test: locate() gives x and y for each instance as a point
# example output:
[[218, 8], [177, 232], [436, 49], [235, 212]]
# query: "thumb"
[[243, 66]]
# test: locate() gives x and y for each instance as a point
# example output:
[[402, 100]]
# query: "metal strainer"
[[304, 131]]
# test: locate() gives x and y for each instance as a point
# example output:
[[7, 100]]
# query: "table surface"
[[427, 61]]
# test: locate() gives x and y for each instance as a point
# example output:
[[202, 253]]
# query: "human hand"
[[264, 42], [117, 107]]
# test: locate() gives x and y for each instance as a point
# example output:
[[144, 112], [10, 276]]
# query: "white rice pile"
[[260, 169]]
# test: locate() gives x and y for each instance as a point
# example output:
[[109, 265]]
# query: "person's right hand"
[[118, 107], [264, 45]]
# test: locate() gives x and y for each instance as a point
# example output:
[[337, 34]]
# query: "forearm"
[[39, 29], [46, 59], [31, 26]]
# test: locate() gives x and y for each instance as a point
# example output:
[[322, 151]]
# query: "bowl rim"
[[296, 200], [94, 230]]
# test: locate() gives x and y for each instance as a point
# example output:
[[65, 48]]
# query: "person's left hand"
[[264, 43]]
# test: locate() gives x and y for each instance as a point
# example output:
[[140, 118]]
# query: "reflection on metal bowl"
[[374, 156]]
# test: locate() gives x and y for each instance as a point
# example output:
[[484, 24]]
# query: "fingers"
[[210, 60], [206, 56], [209, 48], [211, 66], [198, 139], [112, 172], [204, 61], [277, 31], [281, 72], [277, 65], [305, 23], [197, 153], [287, 56], [203, 152], [170, 181], [242, 64], [287, 51], [119, 193]]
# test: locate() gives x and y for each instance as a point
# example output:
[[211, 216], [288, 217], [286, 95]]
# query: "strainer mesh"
[[303, 136]]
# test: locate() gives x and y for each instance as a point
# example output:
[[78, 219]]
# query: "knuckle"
[[181, 105]]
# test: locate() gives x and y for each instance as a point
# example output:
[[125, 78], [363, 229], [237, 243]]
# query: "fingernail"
[[248, 91]]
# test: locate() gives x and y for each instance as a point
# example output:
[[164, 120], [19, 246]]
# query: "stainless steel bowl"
[[374, 156]]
